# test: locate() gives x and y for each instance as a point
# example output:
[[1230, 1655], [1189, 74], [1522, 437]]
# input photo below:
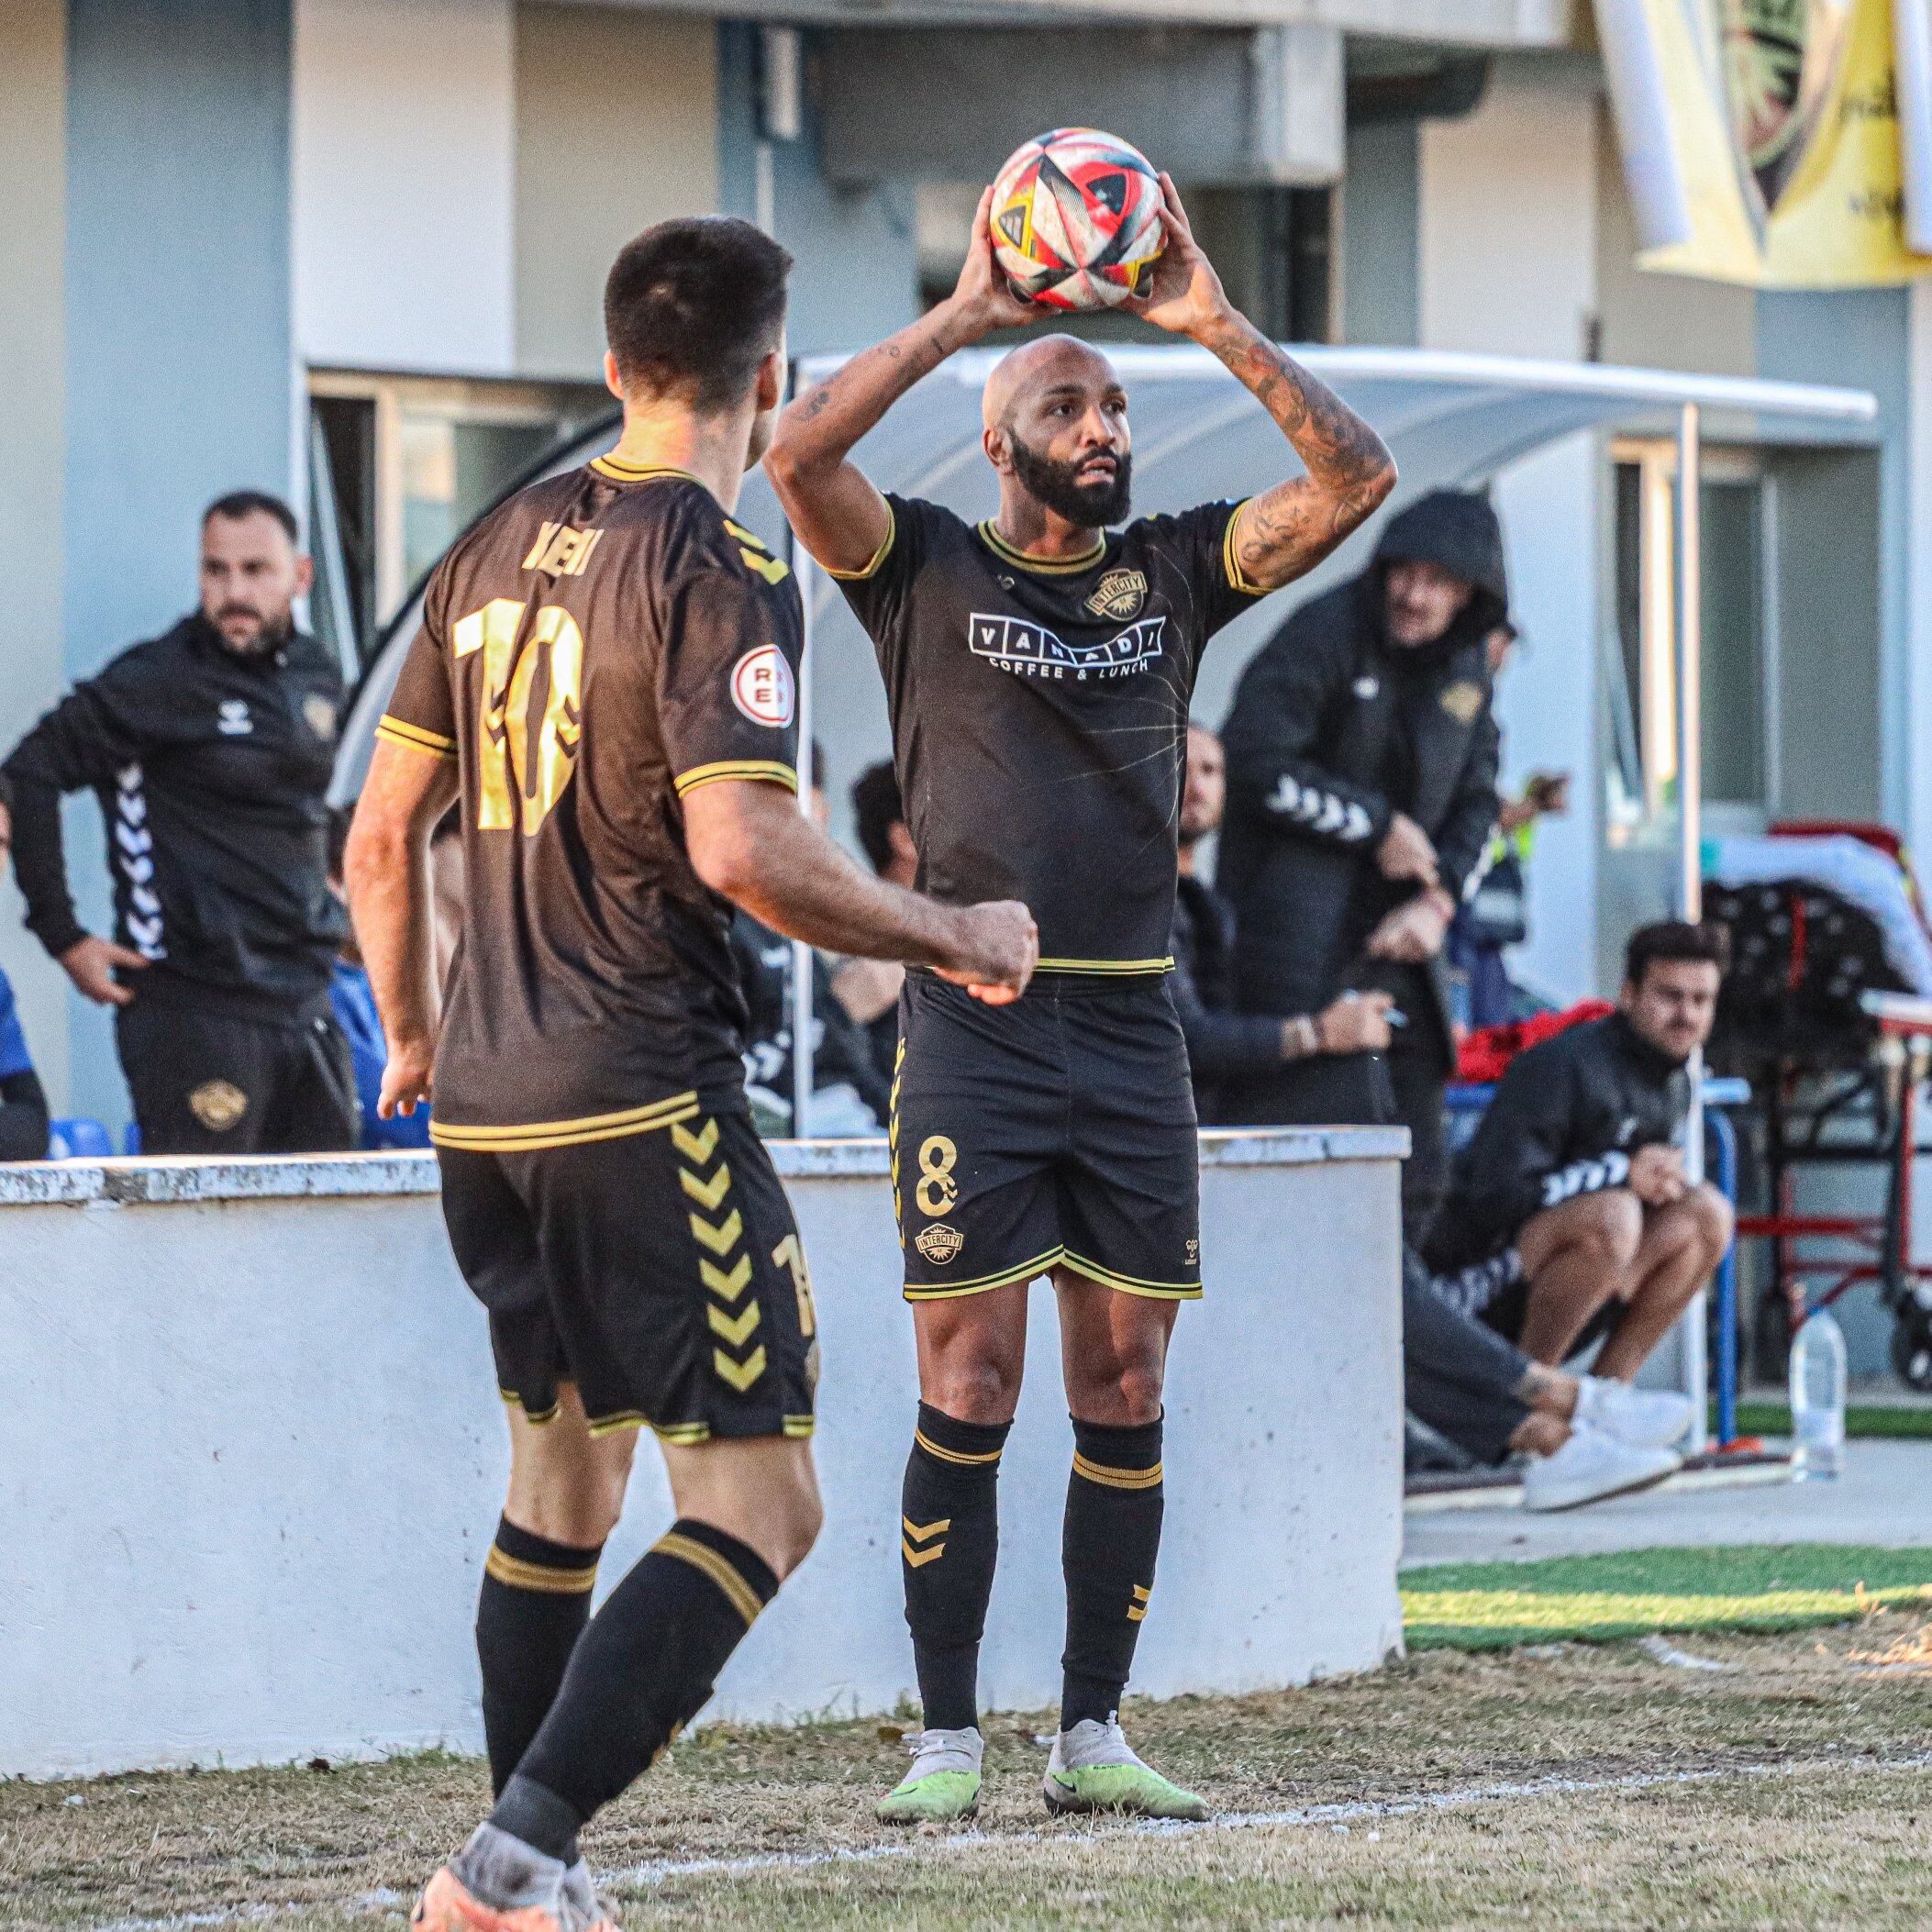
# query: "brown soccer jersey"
[[596, 649]]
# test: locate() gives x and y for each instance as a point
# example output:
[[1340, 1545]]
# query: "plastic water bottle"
[[1818, 1399]]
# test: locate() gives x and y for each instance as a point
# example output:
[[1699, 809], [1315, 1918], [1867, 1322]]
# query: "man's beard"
[[1051, 485], [272, 634]]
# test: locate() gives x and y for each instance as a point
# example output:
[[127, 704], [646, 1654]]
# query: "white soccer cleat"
[[1644, 1418], [943, 1785], [1592, 1466], [1093, 1768]]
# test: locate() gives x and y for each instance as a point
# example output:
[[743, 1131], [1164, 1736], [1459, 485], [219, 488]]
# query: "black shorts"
[[661, 1273], [1060, 1128]]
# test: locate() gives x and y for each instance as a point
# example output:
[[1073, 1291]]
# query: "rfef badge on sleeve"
[[763, 686]]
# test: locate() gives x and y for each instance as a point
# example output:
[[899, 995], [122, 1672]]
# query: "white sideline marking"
[[655, 1872]]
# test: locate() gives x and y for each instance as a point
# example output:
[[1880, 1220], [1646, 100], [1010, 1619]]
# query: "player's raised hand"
[[985, 298], [993, 951], [1185, 294]]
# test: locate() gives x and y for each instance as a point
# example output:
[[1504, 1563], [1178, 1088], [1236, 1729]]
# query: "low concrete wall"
[[251, 1457]]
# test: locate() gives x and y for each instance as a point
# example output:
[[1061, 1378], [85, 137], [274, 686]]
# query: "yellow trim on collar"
[[618, 471], [1042, 566]]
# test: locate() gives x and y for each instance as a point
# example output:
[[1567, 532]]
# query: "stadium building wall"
[[33, 443], [177, 342], [269, 1403]]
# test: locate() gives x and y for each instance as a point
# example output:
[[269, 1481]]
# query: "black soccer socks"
[[1107, 1549], [948, 1543], [640, 1672], [534, 1604]]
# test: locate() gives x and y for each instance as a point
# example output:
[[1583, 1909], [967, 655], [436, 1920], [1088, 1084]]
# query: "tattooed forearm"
[[822, 426], [1337, 445], [1291, 527]]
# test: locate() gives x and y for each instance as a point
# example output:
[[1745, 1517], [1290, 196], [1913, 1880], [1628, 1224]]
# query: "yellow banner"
[[1761, 138]]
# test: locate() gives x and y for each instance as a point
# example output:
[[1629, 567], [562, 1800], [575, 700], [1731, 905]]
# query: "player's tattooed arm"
[[1289, 529], [751, 843], [1294, 525], [386, 868], [837, 514]]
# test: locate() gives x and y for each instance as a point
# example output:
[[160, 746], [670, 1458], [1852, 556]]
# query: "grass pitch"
[[1596, 1599], [1564, 1783]]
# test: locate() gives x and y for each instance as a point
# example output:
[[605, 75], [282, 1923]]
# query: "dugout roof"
[[1450, 420]]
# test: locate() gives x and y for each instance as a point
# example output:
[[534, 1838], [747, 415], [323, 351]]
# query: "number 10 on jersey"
[[512, 772]]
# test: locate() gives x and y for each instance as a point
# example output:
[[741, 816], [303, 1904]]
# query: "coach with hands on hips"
[[1362, 788], [210, 749]]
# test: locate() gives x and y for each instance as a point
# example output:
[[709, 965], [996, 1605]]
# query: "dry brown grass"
[[1836, 1839]]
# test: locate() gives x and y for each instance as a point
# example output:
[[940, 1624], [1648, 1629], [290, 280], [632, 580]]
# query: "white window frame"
[[1655, 700]]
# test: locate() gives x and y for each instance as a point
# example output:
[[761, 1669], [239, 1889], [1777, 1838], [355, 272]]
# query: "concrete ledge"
[[138, 1182], [252, 1453]]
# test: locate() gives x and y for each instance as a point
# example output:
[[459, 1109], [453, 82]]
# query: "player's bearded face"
[[1081, 488]]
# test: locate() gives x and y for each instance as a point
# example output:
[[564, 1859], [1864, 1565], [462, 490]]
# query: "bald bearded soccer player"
[[1038, 668]]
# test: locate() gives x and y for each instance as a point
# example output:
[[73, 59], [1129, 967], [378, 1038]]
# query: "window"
[[399, 465], [1737, 683]]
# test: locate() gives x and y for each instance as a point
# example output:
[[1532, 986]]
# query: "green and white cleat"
[[943, 1785], [1093, 1769]]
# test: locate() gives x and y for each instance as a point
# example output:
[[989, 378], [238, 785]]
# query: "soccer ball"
[[1076, 220]]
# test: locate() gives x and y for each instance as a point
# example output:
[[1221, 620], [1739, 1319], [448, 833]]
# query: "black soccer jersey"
[[1040, 714], [598, 647]]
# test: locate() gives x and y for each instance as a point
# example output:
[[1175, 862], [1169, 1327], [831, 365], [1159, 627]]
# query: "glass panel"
[[1733, 679], [345, 430], [454, 467]]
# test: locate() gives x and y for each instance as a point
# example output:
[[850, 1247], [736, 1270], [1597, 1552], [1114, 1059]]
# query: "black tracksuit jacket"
[[1222, 1045], [1327, 710], [1566, 1118], [211, 769]]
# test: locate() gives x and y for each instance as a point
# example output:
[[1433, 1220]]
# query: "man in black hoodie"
[[209, 749], [1361, 766]]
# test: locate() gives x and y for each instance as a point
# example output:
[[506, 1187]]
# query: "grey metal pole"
[[803, 570], [1690, 824]]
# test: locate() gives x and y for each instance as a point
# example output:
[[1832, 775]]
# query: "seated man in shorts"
[[1579, 1166]]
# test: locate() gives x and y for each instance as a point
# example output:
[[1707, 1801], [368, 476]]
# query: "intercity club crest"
[[1119, 595], [1031, 650], [939, 1243], [321, 715]]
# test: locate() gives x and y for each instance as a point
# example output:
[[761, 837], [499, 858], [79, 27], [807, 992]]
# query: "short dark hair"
[[238, 503], [693, 306], [1674, 940], [877, 807]]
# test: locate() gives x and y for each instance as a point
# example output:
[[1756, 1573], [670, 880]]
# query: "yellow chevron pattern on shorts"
[[723, 1268], [727, 1286], [739, 1374], [735, 1329], [719, 1237], [706, 1193], [1138, 1609]]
